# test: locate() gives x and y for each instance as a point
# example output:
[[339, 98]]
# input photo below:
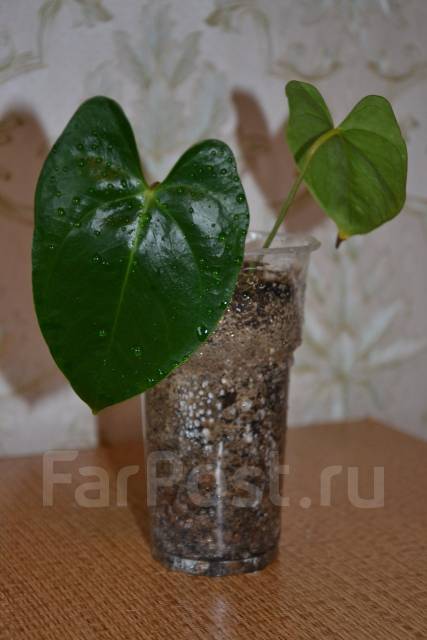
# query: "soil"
[[223, 415]]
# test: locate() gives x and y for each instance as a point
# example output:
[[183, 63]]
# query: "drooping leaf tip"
[[341, 237]]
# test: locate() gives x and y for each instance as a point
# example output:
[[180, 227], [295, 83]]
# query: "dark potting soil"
[[223, 416]]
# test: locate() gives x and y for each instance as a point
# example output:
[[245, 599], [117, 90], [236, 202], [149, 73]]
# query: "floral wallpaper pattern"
[[190, 69]]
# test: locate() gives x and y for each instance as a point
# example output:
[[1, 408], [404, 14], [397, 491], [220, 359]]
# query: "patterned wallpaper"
[[188, 69]]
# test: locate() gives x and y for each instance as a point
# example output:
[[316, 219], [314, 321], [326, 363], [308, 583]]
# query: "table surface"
[[68, 571]]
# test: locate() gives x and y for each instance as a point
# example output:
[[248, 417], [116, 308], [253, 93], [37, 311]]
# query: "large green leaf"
[[356, 171], [129, 279]]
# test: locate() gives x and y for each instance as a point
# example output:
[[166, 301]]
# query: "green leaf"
[[356, 171], [129, 279]]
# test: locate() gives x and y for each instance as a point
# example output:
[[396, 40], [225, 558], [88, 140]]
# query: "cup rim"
[[293, 243]]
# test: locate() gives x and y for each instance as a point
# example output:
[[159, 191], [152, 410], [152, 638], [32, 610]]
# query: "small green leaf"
[[129, 279], [356, 171]]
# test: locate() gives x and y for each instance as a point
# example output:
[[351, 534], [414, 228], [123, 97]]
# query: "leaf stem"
[[297, 183]]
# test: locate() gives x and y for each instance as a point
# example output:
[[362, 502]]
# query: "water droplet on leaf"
[[240, 197], [202, 332], [102, 333]]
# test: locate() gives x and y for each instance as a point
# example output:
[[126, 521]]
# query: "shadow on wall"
[[121, 423], [24, 358], [267, 158], [25, 361]]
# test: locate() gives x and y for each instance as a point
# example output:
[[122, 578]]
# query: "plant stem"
[[296, 185], [284, 209]]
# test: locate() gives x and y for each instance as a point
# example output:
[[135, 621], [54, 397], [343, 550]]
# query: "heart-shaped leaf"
[[128, 279], [356, 171]]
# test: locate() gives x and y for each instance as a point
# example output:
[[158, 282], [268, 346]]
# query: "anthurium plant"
[[129, 278]]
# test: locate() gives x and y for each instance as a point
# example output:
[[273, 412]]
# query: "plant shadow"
[[121, 423], [266, 157], [25, 361], [26, 364]]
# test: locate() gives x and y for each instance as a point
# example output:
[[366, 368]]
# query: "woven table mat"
[[343, 572]]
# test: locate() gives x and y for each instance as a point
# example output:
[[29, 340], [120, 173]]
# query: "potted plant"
[[161, 289]]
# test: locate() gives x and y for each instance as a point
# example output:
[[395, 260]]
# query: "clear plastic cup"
[[214, 430]]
